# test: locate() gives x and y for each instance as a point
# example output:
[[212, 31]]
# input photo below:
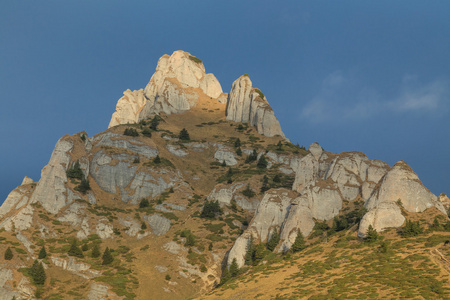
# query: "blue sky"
[[371, 76]]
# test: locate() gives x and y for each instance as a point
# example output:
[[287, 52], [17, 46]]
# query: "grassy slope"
[[347, 268]]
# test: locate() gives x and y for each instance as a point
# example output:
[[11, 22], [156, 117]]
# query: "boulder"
[[247, 105], [159, 224], [385, 215]]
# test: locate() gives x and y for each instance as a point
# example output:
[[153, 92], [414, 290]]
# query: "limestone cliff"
[[173, 88], [248, 105]]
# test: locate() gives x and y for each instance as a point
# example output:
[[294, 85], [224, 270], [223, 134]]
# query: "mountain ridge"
[[92, 191]]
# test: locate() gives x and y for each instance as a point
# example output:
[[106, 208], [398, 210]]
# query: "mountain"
[[186, 189]]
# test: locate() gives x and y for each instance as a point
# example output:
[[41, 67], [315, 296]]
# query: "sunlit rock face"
[[246, 105], [178, 81], [400, 187]]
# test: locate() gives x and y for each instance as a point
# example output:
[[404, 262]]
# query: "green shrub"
[[130, 132], [411, 229], [259, 93], [211, 210], [195, 59], [248, 192], [75, 171]]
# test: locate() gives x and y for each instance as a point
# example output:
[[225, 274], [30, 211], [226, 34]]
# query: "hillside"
[[186, 180]]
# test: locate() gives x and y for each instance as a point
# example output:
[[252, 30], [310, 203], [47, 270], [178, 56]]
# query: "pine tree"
[[237, 143], [154, 123], [184, 135], [107, 257], [265, 184], [250, 253], [75, 171], [234, 268], [252, 157], [8, 254], [75, 250], [157, 160], [42, 253], [260, 253], [273, 240], [37, 273], [225, 275], [84, 186], [238, 151], [144, 203], [95, 251], [372, 234], [299, 243], [262, 162]]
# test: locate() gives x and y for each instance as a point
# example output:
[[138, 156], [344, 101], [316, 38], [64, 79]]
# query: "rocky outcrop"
[[51, 191], [270, 215], [385, 215], [225, 154], [400, 186], [128, 108], [159, 224], [248, 105], [173, 88]]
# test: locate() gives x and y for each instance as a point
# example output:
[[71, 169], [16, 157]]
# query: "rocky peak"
[[178, 81], [400, 187], [249, 105]]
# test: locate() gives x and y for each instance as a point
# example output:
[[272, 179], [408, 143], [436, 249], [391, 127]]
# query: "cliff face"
[[140, 189], [173, 88], [248, 105], [179, 80]]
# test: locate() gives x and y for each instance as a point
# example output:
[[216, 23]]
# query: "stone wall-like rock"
[[246, 105]]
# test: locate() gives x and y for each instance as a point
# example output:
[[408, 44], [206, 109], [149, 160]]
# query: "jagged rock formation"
[[324, 181], [146, 192], [177, 83], [128, 108], [248, 105], [173, 88], [400, 187]]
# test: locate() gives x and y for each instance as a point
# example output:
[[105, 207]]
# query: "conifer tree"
[[234, 268], [238, 151], [42, 253], [273, 240], [299, 243], [157, 160], [372, 234], [225, 275], [184, 135], [37, 273], [237, 143], [260, 253], [8, 254], [262, 162], [75, 250], [107, 257], [95, 251], [154, 123], [249, 254], [265, 184]]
